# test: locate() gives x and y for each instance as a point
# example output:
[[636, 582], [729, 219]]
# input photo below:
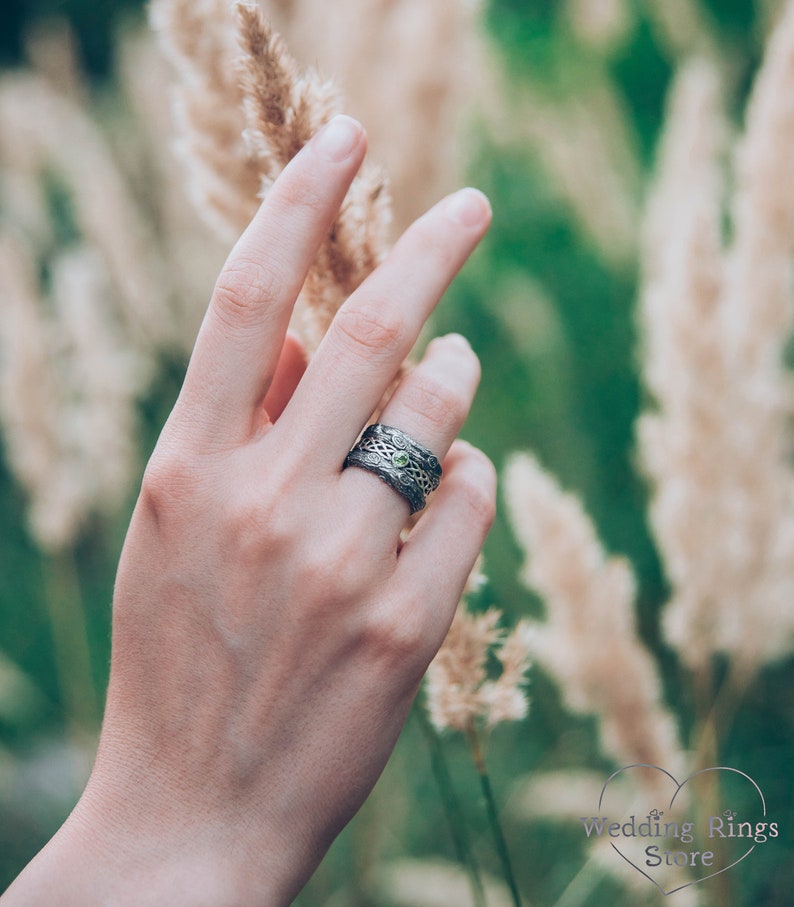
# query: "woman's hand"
[[269, 629]]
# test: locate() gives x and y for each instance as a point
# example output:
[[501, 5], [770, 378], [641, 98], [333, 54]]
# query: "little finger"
[[438, 556]]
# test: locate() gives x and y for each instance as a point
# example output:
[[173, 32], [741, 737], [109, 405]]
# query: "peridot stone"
[[401, 458]]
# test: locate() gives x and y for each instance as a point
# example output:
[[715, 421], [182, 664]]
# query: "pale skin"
[[269, 629]]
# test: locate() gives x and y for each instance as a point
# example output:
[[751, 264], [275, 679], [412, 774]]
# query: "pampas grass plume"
[[716, 321], [200, 39], [588, 641], [458, 690]]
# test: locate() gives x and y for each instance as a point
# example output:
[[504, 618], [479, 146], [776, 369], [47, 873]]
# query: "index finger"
[[238, 346]]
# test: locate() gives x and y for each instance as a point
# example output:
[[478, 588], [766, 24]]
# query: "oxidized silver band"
[[409, 468]]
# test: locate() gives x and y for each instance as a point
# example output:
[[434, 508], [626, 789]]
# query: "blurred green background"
[[553, 320]]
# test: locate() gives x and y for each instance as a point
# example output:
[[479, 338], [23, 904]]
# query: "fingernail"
[[451, 345], [337, 139], [458, 339], [448, 341], [469, 207]]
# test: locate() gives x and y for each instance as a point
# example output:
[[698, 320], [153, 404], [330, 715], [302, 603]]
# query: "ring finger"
[[430, 405]]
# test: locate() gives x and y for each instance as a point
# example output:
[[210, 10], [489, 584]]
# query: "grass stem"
[[452, 808], [493, 813]]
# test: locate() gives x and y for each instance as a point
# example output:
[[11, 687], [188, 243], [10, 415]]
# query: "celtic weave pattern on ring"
[[396, 459]]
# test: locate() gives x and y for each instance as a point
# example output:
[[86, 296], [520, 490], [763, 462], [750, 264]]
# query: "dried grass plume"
[[459, 691], [588, 642], [716, 322]]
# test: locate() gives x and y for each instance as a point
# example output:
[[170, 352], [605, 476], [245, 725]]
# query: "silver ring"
[[396, 459]]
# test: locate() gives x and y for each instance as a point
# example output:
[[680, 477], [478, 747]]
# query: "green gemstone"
[[401, 458]]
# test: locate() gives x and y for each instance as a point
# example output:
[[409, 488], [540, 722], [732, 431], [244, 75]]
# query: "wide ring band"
[[396, 459]]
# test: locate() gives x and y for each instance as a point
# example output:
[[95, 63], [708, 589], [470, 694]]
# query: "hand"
[[269, 628]]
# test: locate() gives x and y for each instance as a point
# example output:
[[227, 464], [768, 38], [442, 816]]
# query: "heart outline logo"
[[679, 787]]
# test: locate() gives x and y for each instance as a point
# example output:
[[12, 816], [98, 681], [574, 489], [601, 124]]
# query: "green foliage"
[[94, 22]]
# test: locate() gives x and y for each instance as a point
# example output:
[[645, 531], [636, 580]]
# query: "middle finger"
[[376, 328]]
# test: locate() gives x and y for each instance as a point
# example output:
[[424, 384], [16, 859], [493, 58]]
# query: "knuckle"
[[434, 244], [256, 531], [370, 332], [477, 487], [433, 400], [256, 522], [245, 290], [393, 635], [169, 478], [303, 195], [333, 575]]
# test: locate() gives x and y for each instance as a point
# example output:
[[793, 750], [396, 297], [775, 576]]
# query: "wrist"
[[96, 859]]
